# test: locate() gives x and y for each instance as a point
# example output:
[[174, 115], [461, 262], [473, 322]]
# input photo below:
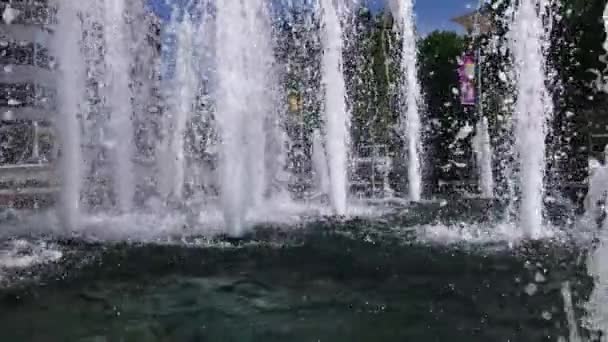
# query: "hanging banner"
[[295, 103], [466, 73]]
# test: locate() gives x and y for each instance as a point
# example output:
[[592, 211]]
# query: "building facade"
[[26, 81], [26, 103]]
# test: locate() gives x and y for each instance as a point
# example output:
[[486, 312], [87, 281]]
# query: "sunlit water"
[[406, 274], [118, 98], [337, 118], [533, 109], [70, 78], [410, 116]]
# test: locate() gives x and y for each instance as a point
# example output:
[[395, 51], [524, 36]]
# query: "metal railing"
[[371, 168]]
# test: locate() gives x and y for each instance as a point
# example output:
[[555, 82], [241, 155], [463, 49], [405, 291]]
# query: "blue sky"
[[430, 14], [436, 14]]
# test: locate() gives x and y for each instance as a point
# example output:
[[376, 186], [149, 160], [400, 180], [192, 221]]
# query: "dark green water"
[[326, 282]]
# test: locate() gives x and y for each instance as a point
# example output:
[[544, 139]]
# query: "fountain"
[[319, 161], [410, 121], [243, 71], [70, 80], [532, 110], [595, 212], [483, 153], [217, 112], [240, 81], [180, 97], [118, 101], [336, 114], [242, 92]]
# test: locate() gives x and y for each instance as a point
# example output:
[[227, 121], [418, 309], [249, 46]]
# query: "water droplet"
[[531, 289], [9, 15], [539, 278]]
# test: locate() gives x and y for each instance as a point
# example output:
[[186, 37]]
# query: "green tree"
[[370, 71], [438, 63], [581, 107]]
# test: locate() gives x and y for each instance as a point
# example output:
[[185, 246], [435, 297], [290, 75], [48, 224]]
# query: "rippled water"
[[362, 280]]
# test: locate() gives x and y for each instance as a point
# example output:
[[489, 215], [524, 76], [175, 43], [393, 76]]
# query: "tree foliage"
[[445, 116], [372, 73], [371, 69]]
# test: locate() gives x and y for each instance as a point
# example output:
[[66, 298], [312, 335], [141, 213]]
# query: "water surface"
[[361, 280]]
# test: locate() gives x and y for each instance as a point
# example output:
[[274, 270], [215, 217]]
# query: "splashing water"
[[181, 104], [336, 115], [483, 153], [70, 80], [118, 64], [570, 314], [600, 82], [319, 160], [227, 56], [532, 110], [410, 115], [597, 318], [244, 74], [597, 314]]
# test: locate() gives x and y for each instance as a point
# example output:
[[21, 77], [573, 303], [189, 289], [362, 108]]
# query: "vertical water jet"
[[336, 115], [118, 101], [244, 62], [70, 90], [319, 164], [483, 153], [409, 118], [186, 85], [532, 110]]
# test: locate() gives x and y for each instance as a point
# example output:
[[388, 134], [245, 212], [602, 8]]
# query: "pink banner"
[[466, 73]]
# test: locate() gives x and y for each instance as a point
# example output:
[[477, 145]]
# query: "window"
[[26, 95]]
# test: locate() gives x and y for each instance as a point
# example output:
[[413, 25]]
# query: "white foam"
[[20, 254], [480, 234], [163, 225]]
